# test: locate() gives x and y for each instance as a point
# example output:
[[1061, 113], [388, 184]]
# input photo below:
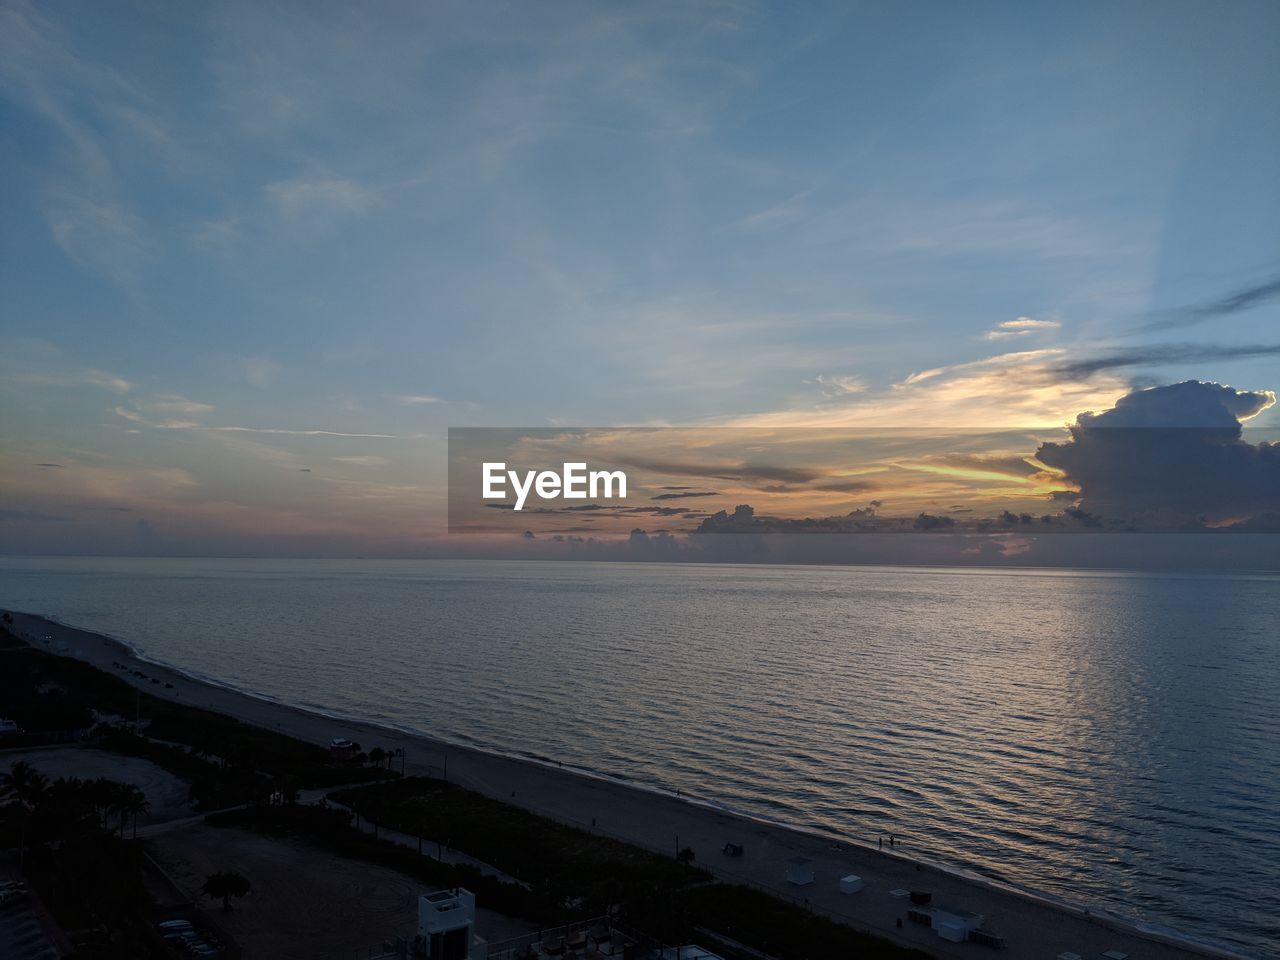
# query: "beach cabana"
[[850, 884], [800, 871]]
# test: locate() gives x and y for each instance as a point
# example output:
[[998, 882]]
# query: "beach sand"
[[1033, 927]]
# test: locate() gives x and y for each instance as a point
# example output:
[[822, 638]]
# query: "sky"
[[256, 259]]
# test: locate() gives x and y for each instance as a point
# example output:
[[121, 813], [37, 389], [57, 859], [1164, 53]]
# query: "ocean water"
[[1112, 739]]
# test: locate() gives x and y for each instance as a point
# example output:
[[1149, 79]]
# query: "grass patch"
[[570, 865], [330, 829]]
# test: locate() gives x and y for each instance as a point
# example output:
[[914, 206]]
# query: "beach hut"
[[850, 884], [800, 871], [954, 924]]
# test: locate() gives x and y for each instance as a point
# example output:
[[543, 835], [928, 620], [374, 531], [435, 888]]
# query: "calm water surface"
[[1112, 739]]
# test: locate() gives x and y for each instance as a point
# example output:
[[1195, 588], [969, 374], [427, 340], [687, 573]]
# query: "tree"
[[130, 803], [685, 856], [226, 884], [377, 755], [24, 787], [24, 784]]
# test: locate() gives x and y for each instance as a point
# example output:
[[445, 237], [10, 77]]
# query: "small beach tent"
[[800, 871], [850, 884]]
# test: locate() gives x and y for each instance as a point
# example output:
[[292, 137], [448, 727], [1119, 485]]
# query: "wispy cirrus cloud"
[[1023, 388], [85, 200], [429, 400], [320, 197], [418, 399], [1020, 327], [39, 362], [363, 461], [285, 432], [837, 385], [141, 414]]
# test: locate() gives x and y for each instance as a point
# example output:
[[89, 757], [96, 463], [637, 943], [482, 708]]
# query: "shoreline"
[[639, 813]]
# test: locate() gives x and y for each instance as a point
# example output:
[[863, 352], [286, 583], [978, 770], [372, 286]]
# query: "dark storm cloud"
[[1166, 353], [845, 486], [744, 472], [1237, 302], [1171, 452], [56, 466]]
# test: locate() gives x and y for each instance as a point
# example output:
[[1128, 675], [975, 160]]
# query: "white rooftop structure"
[[446, 924], [690, 951]]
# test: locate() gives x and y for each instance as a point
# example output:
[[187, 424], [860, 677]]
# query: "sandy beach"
[[1032, 926]]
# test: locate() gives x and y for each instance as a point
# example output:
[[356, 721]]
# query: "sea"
[[1109, 739]]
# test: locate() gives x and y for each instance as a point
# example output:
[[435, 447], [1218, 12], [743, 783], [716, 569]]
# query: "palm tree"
[[131, 802], [226, 884], [24, 787], [377, 755], [24, 784], [105, 795]]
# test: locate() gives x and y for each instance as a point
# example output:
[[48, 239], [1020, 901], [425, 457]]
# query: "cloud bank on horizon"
[[257, 259]]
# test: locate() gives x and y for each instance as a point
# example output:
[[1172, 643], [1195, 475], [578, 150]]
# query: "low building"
[[446, 926]]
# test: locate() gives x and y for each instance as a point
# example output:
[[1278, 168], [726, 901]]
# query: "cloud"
[[101, 236], [745, 472], [682, 496], [320, 197], [86, 107], [1020, 327], [1025, 388], [165, 405], [302, 433], [364, 461], [133, 414], [41, 363], [261, 371], [841, 385], [1238, 302], [418, 400], [1162, 353], [1173, 452]]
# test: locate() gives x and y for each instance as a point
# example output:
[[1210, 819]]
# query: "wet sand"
[[1033, 926]]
